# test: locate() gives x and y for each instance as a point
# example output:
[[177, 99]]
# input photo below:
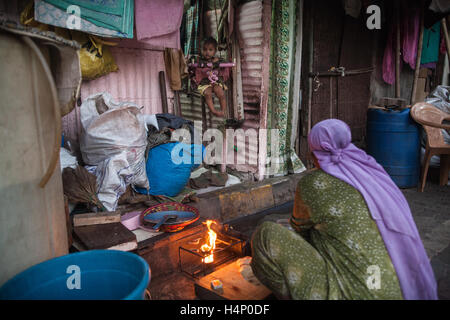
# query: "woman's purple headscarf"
[[330, 141]]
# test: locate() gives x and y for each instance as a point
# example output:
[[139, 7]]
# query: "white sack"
[[114, 139], [67, 160]]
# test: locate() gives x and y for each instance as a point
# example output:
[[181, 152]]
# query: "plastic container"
[[103, 274], [393, 139]]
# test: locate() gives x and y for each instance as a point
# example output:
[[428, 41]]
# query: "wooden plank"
[[87, 219], [235, 286], [106, 236], [68, 222]]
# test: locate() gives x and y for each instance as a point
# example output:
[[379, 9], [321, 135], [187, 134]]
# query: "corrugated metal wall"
[[137, 81], [251, 41], [191, 109]]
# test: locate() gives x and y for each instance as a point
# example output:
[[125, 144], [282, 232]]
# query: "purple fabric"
[[409, 29], [158, 22], [410, 26], [429, 65], [202, 73], [389, 57], [330, 141]]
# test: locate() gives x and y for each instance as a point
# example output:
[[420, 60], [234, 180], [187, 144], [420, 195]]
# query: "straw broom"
[[80, 186]]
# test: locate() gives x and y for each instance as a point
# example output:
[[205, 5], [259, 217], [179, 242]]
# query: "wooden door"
[[334, 39]]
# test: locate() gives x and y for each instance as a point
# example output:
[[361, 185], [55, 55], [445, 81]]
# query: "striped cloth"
[[191, 46]]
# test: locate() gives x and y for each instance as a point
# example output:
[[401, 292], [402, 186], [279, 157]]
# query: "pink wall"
[[137, 81]]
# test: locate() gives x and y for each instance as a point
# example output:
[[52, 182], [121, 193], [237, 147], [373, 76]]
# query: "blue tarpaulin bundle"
[[169, 167]]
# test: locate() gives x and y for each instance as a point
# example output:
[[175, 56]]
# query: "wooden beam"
[[162, 87], [87, 219]]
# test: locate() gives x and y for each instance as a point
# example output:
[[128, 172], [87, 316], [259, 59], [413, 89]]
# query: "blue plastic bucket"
[[103, 274]]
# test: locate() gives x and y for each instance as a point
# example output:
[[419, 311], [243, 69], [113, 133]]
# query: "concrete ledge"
[[224, 205], [247, 198]]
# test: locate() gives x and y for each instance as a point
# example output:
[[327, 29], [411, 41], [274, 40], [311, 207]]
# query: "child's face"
[[208, 50]]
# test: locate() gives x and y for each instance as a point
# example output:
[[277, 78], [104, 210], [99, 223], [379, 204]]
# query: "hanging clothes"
[[409, 29], [389, 57], [158, 22], [431, 42], [176, 68], [281, 73]]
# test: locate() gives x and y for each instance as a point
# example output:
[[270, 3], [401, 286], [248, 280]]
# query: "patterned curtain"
[[280, 107], [191, 46]]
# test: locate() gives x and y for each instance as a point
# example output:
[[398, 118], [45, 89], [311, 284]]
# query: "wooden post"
[[397, 52], [418, 58], [446, 36], [177, 107], [162, 88], [204, 124]]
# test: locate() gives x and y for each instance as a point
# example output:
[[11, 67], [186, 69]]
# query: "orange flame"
[[210, 244]]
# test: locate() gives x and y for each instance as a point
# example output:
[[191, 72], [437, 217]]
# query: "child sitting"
[[212, 79]]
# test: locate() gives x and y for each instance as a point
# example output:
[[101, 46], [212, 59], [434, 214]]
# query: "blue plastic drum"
[[393, 139]]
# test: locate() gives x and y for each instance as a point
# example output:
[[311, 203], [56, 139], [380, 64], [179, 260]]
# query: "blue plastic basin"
[[104, 274]]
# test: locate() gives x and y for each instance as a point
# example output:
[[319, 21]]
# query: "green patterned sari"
[[335, 252]]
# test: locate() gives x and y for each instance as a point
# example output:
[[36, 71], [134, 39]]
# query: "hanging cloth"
[[191, 47], [281, 75], [158, 22], [176, 67], [431, 38]]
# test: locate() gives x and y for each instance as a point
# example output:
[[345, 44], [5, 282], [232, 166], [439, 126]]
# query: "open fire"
[[210, 244], [204, 251]]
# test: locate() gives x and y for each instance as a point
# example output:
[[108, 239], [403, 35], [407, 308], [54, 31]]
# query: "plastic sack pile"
[[113, 142]]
